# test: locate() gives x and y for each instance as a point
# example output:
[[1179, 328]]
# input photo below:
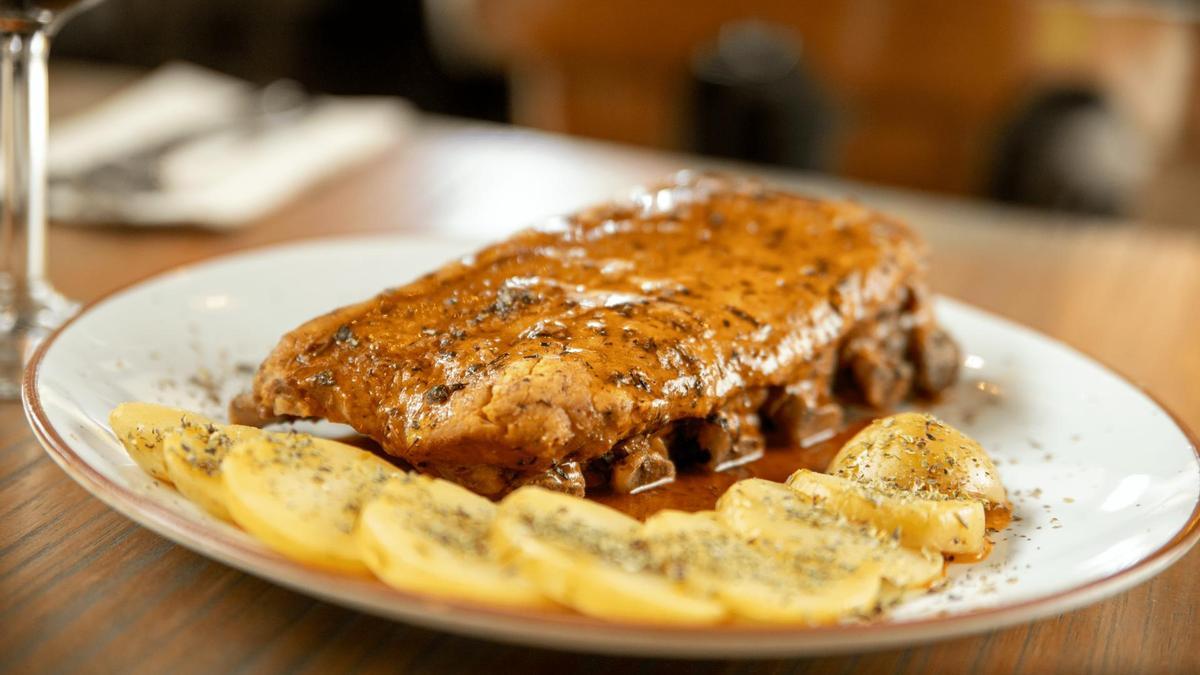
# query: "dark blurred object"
[[1070, 150], [329, 46], [753, 99], [345, 54]]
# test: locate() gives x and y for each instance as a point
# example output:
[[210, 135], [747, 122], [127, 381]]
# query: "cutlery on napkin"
[[188, 145]]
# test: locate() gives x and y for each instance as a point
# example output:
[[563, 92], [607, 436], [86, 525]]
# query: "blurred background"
[[1090, 107]]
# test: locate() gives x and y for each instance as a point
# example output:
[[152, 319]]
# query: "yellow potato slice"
[[141, 428], [589, 557], [775, 517], [193, 455], [753, 583], [946, 525], [302, 495], [429, 535], [917, 452]]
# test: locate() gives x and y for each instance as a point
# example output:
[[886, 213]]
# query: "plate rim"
[[568, 631]]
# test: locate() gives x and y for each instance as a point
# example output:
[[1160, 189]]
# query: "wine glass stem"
[[29, 306], [23, 97]]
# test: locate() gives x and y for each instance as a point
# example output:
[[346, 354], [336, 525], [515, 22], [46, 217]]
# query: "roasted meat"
[[687, 325]]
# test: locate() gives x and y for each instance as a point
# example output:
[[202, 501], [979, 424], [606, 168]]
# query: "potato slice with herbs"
[[756, 584], [302, 495], [589, 557], [141, 428], [430, 535], [916, 452], [193, 457], [946, 525], [774, 516]]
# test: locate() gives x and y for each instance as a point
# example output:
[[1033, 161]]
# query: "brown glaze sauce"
[[998, 519], [697, 490], [694, 488]]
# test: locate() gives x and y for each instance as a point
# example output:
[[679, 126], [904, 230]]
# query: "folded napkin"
[[200, 152]]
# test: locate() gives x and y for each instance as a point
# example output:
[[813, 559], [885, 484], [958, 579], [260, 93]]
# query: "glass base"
[[23, 326]]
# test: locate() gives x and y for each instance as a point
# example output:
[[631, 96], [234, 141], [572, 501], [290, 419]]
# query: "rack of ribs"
[[686, 325]]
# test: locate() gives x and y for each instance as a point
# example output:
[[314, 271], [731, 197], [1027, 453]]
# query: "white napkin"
[[227, 174]]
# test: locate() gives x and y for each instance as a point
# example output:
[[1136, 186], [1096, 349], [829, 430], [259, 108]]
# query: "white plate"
[[1106, 484]]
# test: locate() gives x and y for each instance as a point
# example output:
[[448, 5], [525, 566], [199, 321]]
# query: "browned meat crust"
[[600, 347]]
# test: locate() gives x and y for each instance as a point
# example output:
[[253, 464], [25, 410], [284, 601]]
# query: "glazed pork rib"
[[604, 348]]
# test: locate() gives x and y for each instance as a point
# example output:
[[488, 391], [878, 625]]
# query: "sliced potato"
[[141, 428], [429, 535], [753, 583], [192, 456], [302, 495], [775, 517], [589, 557], [946, 525], [919, 453]]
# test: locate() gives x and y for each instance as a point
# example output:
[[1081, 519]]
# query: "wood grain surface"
[[82, 589]]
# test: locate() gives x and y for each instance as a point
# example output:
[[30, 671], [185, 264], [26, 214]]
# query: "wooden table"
[[83, 589]]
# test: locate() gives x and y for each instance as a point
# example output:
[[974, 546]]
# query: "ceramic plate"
[[1105, 483]]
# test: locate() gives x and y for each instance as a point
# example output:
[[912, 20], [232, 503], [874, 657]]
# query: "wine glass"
[[29, 306]]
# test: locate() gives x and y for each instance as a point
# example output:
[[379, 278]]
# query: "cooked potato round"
[[142, 427], [782, 520], [193, 457], [588, 557], [919, 453], [302, 495], [430, 535], [755, 584], [946, 525]]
